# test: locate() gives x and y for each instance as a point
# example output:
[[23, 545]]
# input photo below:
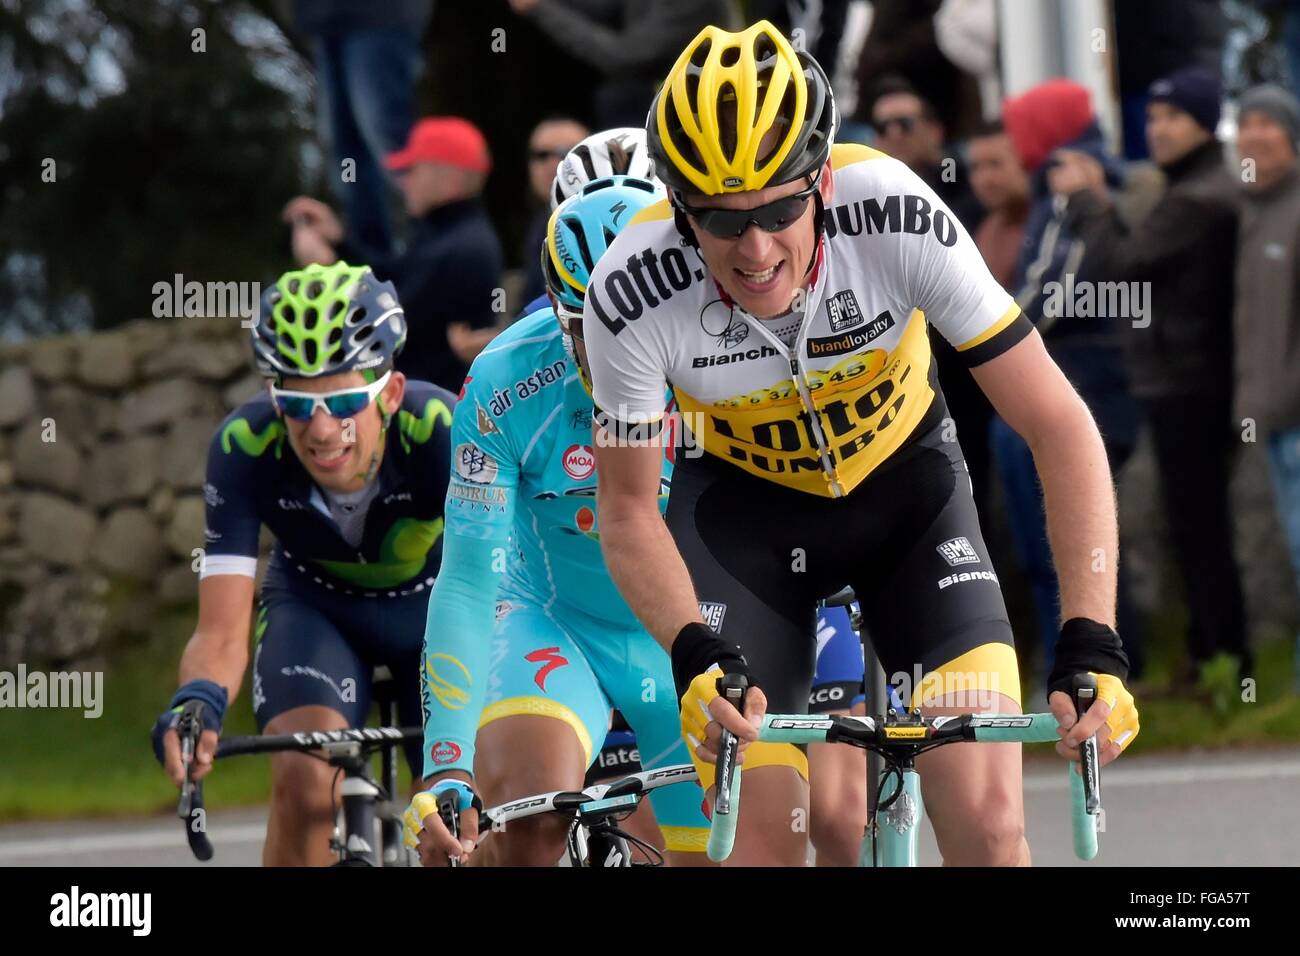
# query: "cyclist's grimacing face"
[[762, 270], [339, 453]]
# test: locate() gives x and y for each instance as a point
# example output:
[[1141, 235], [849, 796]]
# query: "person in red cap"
[[449, 274]]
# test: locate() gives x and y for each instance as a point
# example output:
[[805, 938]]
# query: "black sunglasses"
[[905, 123], [770, 217], [537, 155]]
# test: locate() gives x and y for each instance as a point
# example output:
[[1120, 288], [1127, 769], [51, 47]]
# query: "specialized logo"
[[967, 576], [486, 426], [579, 462], [449, 695], [474, 464], [444, 752], [842, 309], [910, 214], [850, 341], [550, 658], [958, 551], [713, 612]]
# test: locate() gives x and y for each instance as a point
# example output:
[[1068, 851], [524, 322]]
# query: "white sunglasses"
[[342, 403]]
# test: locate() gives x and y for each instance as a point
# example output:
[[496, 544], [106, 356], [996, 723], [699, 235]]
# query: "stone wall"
[[103, 441]]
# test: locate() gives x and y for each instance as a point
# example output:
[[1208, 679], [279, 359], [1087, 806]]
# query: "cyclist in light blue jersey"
[[528, 643]]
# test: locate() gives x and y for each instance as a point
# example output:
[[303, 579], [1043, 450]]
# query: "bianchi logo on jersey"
[[728, 358], [713, 612], [842, 309], [958, 551], [965, 576], [474, 464]]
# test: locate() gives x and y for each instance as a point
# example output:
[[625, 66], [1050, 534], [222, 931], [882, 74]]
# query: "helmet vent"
[[335, 308], [315, 288], [764, 51], [701, 54], [309, 352], [309, 317], [293, 286], [358, 315], [583, 154], [730, 56], [335, 336]]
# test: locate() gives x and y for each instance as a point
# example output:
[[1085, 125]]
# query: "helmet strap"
[[819, 225]]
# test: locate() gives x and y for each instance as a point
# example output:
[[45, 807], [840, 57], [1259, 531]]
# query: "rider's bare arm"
[[218, 651], [639, 551], [1032, 395]]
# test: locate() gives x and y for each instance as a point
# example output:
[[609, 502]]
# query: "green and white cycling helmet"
[[323, 320]]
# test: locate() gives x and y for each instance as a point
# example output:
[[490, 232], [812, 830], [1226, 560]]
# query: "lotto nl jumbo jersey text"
[[821, 415]]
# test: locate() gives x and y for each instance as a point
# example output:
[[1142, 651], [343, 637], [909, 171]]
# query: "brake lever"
[[732, 688]]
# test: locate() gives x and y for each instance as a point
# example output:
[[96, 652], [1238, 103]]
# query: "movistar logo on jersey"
[[729, 358], [253, 443], [912, 214], [420, 430], [646, 280]]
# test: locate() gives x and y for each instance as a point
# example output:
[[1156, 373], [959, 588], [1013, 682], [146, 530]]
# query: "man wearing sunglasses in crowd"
[[784, 292], [345, 461]]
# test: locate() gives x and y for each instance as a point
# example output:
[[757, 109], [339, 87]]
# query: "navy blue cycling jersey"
[[254, 478]]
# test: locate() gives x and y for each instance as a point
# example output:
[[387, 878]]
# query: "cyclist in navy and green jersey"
[[346, 463]]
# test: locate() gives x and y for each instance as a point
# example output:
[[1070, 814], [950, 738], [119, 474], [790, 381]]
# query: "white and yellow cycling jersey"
[[821, 414]]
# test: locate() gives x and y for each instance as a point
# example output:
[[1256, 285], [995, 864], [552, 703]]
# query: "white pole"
[[1088, 45], [1029, 35]]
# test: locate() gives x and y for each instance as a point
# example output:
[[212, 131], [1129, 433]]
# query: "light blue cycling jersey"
[[520, 524]]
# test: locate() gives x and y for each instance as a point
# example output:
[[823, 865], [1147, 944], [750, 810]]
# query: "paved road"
[[1204, 809]]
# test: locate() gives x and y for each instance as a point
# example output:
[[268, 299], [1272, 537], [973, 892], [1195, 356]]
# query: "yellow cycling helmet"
[[730, 95]]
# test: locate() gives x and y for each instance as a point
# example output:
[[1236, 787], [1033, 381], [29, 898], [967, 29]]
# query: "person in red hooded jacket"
[[1053, 119]]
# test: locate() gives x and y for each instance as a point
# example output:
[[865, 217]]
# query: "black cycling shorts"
[[907, 540]]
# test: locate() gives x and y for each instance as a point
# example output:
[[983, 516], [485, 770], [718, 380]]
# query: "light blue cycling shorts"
[[565, 664]]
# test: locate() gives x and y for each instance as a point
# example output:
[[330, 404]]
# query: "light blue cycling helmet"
[[581, 229]]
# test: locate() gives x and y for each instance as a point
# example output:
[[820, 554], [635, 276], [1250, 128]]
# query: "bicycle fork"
[[893, 826]]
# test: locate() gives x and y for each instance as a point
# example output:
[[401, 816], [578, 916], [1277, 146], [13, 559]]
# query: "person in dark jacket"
[[367, 58], [633, 42], [1267, 315], [1056, 116], [1180, 353], [449, 275]]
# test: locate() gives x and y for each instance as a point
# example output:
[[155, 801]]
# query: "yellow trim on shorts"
[[763, 754], [1000, 325], [685, 839], [989, 667], [538, 707]]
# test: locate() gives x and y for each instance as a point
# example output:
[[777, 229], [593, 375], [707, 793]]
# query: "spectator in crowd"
[[549, 143], [1052, 120], [1267, 315], [1179, 351], [367, 59], [901, 41], [1153, 38], [448, 276], [908, 129], [632, 42], [1001, 187]]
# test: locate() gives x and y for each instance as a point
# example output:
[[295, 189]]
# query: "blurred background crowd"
[[1127, 169]]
